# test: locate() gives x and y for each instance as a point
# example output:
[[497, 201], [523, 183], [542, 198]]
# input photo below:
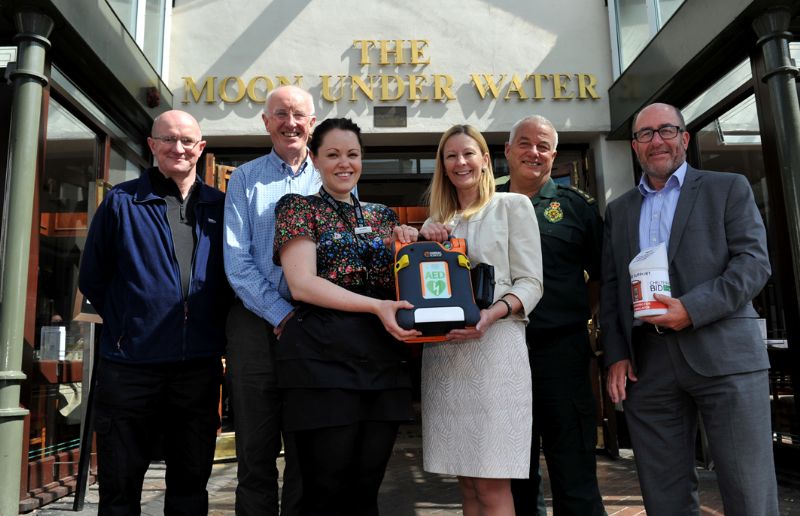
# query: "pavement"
[[409, 491]]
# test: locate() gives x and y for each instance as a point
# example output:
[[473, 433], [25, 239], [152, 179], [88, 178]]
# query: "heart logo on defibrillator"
[[435, 280]]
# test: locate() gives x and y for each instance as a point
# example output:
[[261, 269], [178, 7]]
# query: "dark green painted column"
[[772, 28], [26, 114]]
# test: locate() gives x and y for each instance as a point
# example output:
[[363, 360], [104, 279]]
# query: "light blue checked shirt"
[[658, 209], [253, 190]]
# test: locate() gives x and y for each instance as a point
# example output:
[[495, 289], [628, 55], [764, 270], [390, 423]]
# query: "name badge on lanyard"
[[361, 228]]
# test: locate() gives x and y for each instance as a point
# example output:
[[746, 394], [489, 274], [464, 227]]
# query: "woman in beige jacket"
[[476, 392]]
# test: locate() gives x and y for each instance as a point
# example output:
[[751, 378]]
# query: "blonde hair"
[[441, 194]]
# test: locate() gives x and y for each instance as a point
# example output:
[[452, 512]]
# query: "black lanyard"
[[360, 232], [362, 228]]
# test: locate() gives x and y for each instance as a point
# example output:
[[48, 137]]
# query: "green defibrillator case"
[[435, 278]]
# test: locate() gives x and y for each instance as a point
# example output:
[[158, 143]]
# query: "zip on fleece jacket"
[[127, 275]]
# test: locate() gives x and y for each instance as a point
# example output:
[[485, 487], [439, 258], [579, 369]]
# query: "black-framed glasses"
[[186, 142], [283, 115], [666, 132]]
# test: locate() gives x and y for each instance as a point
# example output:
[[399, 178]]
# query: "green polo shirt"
[[572, 231]]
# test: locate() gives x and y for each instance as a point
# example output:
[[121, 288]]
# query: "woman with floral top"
[[342, 372]]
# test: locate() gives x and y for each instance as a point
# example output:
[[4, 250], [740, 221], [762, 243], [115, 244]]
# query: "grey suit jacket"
[[718, 263]]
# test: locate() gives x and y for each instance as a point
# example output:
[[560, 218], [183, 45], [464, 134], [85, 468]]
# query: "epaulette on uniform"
[[583, 195]]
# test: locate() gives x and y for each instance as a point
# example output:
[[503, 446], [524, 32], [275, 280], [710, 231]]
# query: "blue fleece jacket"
[[130, 274]]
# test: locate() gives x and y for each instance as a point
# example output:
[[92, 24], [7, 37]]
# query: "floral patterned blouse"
[[360, 264]]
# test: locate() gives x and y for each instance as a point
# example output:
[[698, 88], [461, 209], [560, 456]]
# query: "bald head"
[[660, 107], [662, 129], [289, 119], [289, 91], [176, 143], [173, 116]]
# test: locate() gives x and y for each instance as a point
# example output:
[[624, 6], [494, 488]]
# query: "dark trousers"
[[136, 405], [343, 467], [253, 388], [661, 412], [564, 421]]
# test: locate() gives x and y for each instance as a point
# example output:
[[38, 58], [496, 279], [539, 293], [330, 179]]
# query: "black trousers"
[[343, 467], [564, 422], [253, 389], [136, 405]]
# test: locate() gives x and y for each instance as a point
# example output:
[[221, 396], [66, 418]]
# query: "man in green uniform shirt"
[[560, 351]]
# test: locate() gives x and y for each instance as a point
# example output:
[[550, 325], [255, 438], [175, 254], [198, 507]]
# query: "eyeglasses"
[[667, 132], [284, 115], [186, 142]]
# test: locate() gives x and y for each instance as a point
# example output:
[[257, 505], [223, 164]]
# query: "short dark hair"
[[329, 124]]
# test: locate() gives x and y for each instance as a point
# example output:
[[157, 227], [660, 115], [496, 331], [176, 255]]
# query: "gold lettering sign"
[[560, 85], [358, 84], [232, 90], [190, 87], [392, 51], [486, 83], [536, 79], [239, 90], [443, 87], [586, 85], [396, 82], [393, 87], [326, 88], [417, 51]]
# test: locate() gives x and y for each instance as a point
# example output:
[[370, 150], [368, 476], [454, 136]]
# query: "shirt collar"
[[548, 190], [675, 180], [284, 167], [163, 186]]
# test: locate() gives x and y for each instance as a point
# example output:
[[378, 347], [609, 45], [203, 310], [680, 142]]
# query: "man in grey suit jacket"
[[705, 354]]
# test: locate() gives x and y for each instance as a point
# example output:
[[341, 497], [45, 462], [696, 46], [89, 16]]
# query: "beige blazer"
[[505, 234]]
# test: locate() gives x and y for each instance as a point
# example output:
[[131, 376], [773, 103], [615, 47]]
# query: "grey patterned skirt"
[[476, 405]]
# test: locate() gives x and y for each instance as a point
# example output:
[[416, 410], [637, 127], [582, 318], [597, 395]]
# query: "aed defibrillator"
[[435, 278]]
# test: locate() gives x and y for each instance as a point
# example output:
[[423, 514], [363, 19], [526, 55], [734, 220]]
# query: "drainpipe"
[[772, 29], [26, 113]]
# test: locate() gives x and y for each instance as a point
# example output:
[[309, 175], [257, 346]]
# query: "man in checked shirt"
[[257, 318]]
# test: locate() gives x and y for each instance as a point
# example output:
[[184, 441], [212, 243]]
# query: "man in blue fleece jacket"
[[153, 269]]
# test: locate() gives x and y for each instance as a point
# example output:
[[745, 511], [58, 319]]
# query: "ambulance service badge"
[[554, 213]]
